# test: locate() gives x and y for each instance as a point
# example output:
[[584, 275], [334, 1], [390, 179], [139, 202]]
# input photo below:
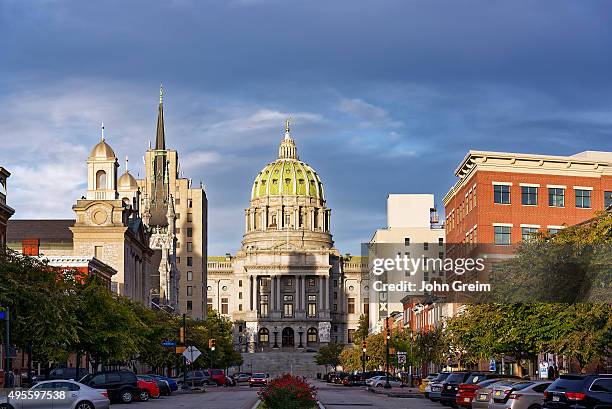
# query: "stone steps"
[[278, 362]]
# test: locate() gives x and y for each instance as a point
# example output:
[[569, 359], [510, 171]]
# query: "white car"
[[58, 394], [379, 381]]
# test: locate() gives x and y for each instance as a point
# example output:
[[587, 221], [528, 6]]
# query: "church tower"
[[102, 172]]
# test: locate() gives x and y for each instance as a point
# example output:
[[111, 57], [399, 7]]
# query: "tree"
[[362, 331], [329, 355]]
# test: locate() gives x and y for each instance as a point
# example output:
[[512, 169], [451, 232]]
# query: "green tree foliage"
[[329, 355]]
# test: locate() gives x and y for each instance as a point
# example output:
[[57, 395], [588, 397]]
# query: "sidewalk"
[[398, 392]]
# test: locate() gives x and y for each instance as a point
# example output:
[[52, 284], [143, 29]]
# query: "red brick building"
[[500, 198]]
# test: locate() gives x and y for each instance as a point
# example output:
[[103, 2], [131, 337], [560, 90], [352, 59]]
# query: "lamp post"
[[300, 332], [388, 340], [275, 337], [363, 358]]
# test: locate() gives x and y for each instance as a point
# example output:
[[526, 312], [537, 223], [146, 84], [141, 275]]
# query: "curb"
[[320, 405], [416, 395], [256, 404]]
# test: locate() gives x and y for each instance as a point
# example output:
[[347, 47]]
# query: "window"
[[602, 385], [502, 235], [178, 244], [335, 295], [312, 309], [189, 232], [335, 307], [178, 230], [239, 283], [583, 198], [189, 305], [189, 203], [407, 241], [189, 247], [425, 246], [311, 336], [440, 241], [288, 310], [529, 195], [607, 199], [224, 305], [312, 282], [351, 336], [99, 252], [501, 194], [189, 217], [240, 295], [189, 291], [288, 282], [190, 276], [263, 306], [264, 336], [239, 307], [351, 306], [366, 306], [556, 197], [178, 216], [209, 304], [189, 261], [553, 231], [101, 180], [528, 232], [335, 283]]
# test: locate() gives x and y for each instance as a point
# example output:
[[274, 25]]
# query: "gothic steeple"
[[160, 140]]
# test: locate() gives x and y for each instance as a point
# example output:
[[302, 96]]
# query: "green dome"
[[286, 177]]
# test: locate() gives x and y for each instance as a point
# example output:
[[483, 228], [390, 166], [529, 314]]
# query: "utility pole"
[[184, 340], [363, 358]]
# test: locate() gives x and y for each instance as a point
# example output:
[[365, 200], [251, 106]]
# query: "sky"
[[385, 96]]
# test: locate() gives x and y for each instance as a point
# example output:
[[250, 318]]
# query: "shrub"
[[288, 392]]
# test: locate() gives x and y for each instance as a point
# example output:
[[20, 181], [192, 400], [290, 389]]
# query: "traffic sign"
[[192, 353], [2, 313], [180, 350], [168, 343], [492, 365], [401, 357]]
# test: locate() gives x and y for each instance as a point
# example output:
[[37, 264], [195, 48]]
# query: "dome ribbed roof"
[[102, 151], [285, 177], [127, 182]]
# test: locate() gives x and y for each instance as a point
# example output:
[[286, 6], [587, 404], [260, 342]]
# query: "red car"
[[258, 379], [217, 376], [148, 388]]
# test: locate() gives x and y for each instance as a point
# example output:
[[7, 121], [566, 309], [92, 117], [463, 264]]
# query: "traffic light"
[[212, 343], [364, 345], [182, 335], [387, 336]]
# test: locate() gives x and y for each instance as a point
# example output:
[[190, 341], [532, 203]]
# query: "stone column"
[[311, 214], [326, 299], [264, 218], [251, 293], [321, 284], [303, 292], [254, 293], [278, 293], [247, 217], [272, 302]]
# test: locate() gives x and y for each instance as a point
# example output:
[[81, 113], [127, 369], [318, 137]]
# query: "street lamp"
[[275, 337], [388, 340], [363, 358], [300, 332]]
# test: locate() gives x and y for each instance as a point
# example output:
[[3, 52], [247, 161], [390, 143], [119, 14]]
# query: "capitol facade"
[[288, 287]]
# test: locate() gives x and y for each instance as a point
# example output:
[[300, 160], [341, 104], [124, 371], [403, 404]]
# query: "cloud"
[[368, 114]]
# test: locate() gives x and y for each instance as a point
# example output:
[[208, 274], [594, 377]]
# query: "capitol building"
[[288, 287]]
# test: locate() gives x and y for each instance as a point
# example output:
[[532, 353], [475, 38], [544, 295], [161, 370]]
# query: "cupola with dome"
[[288, 195], [102, 171]]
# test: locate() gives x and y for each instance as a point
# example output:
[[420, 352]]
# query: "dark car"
[[467, 390], [121, 385], [171, 382], [339, 377], [329, 377], [579, 391], [436, 386], [354, 380], [195, 378], [450, 387], [162, 384]]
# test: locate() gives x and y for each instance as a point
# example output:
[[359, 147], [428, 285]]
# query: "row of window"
[[189, 231], [189, 246], [463, 209], [425, 245], [189, 217], [556, 196], [503, 234], [189, 202]]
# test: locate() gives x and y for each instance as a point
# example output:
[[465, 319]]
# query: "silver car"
[[59, 394], [435, 390], [483, 395], [379, 381], [518, 394]]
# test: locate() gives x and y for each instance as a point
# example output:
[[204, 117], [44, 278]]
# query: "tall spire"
[[287, 148], [160, 140]]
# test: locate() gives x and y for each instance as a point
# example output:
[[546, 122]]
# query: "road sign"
[[401, 357], [180, 350], [492, 365], [168, 343], [192, 353], [2, 313]]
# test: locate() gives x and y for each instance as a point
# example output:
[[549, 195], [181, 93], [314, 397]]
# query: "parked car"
[[450, 386], [379, 381], [258, 379], [242, 377], [148, 388], [122, 385], [476, 380], [436, 386], [195, 378], [65, 373], [483, 395], [77, 396], [501, 393], [329, 377], [172, 385], [339, 376], [354, 380], [425, 382], [579, 391], [531, 397], [216, 377]]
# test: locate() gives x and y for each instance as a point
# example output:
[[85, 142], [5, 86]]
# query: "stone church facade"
[[288, 287]]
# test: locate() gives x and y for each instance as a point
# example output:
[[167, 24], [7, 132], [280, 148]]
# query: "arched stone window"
[[264, 337], [101, 180], [311, 336]]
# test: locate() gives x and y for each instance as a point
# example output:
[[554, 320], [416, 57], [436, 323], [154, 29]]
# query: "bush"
[[288, 392]]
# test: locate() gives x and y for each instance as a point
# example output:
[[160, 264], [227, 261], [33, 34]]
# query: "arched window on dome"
[[311, 336], [101, 180]]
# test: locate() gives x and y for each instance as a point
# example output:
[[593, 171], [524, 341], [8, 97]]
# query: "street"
[[243, 397]]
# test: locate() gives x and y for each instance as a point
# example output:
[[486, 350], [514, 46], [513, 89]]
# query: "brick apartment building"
[[500, 198]]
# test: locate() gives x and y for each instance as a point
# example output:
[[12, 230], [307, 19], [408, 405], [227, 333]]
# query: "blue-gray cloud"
[[386, 96]]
